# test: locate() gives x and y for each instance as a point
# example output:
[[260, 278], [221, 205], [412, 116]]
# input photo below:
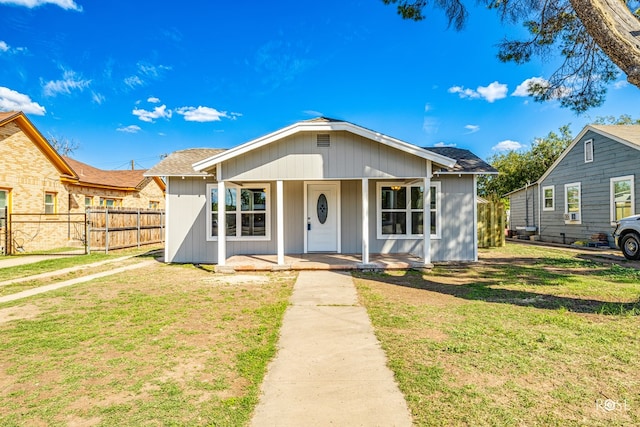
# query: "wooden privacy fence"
[[491, 224], [118, 228]]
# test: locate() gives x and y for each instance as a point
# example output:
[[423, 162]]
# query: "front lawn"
[[529, 336], [163, 345]]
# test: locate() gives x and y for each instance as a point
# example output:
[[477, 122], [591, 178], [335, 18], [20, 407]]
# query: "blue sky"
[[133, 80]]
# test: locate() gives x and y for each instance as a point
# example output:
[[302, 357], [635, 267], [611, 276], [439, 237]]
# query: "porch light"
[[395, 187]]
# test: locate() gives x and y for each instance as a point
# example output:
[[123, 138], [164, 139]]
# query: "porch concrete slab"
[[330, 368], [302, 262]]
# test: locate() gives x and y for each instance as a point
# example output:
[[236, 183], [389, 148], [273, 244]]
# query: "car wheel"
[[630, 245]]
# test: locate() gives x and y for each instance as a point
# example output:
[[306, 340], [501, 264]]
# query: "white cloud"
[[523, 88], [464, 93], [153, 100], [427, 108], [444, 144], [97, 98], [493, 92], [5, 48], [70, 81], [620, 84], [65, 4], [472, 128], [160, 112], [489, 93], [507, 145], [205, 114], [430, 125], [313, 113], [133, 81], [10, 100], [129, 129]]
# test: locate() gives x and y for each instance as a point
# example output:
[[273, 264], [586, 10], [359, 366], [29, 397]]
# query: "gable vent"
[[323, 140]]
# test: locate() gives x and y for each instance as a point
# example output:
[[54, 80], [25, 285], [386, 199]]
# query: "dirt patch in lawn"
[[28, 311]]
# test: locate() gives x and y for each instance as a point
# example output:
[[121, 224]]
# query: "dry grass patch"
[[528, 336], [164, 345]]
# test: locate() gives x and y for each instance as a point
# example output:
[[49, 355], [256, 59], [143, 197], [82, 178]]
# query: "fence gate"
[[40, 233], [491, 224]]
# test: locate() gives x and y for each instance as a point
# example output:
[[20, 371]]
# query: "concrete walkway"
[[47, 288], [330, 369]]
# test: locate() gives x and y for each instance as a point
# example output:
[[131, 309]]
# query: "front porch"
[[311, 261]]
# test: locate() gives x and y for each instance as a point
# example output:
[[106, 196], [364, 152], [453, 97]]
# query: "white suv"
[[627, 236]]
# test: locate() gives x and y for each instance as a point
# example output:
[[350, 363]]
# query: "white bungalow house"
[[321, 186]]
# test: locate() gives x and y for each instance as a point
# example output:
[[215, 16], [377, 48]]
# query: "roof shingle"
[[466, 161], [179, 163], [112, 178]]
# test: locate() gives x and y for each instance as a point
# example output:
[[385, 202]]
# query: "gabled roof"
[[179, 163], [466, 161], [628, 135], [39, 140], [322, 124], [128, 180]]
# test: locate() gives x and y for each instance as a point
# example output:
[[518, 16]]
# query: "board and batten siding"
[[610, 159], [298, 157], [457, 229], [524, 205], [186, 222]]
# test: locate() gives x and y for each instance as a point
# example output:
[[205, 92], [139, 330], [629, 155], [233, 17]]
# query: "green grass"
[[160, 346], [535, 339]]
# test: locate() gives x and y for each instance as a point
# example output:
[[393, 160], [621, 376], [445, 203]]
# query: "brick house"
[[36, 179]]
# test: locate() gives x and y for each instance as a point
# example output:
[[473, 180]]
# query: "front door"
[[322, 217]]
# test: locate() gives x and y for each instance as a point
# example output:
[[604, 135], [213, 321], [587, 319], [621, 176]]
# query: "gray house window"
[[400, 210], [572, 203], [622, 197], [548, 198], [246, 208], [588, 151]]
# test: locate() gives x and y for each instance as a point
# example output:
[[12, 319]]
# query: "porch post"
[[426, 216], [222, 219], [280, 220], [365, 220]]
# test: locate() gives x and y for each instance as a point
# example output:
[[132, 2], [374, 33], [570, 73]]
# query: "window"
[[88, 201], [154, 204], [622, 197], [548, 198], [401, 210], [110, 202], [49, 203], [4, 203], [588, 151], [572, 203], [247, 211]]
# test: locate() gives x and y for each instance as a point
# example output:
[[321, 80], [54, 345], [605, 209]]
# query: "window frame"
[[408, 210], [588, 151], [239, 212], [612, 202], [53, 204], [154, 204], [117, 203], [7, 193], [566, 202], [88, 199], [552, 198]]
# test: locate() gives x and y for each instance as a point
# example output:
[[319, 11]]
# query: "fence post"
[[8, 240], [138, 237], [6, 230], [106, 230], [87, 235]]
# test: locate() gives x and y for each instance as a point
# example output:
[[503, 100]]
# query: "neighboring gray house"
[[523, 209], [302, 189], [589, 187]]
